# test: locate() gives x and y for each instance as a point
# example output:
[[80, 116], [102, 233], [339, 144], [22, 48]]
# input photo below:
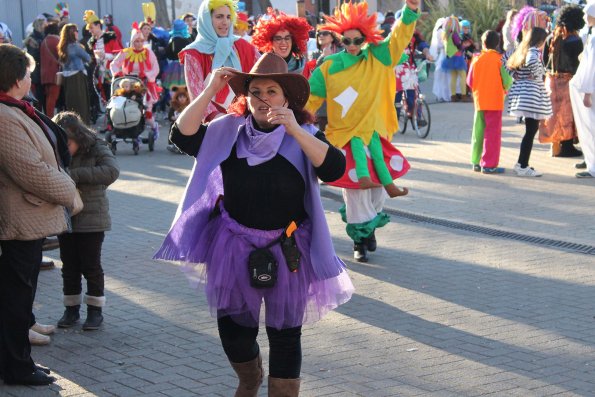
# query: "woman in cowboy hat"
[[256, 173]]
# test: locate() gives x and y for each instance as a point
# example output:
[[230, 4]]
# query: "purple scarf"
[[256, 146], [206, 184]]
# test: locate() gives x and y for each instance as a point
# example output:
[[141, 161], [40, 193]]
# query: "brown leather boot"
[[250, 374], [284, 387], [366, 183], [394, 191]]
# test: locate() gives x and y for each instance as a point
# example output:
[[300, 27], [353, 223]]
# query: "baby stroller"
[[126, 115]]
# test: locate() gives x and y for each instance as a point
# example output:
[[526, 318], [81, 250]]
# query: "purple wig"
[[517, 22]]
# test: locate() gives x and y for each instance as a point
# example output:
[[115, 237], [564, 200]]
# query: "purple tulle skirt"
[[456, 62], [297, 298]]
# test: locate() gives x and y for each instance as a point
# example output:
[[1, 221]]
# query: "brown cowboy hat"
[[271, 66]]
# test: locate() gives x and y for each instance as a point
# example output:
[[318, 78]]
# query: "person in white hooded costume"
[[441, 87], [582, 90]]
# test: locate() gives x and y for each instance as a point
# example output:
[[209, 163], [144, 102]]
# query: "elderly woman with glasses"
[[358, 85], [283, 35]]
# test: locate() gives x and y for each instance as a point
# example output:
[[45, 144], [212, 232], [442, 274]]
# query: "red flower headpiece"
[[354, 16], [297, 27]]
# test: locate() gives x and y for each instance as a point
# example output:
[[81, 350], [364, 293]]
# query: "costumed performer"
[[582, 89], [441, 85], [561, 58], [284, 35], [215, 46], [455, 62], [142, 62], [358, 85], [252, 226]]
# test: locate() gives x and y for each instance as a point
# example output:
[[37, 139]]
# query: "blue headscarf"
[[207, 41], [179, 29]]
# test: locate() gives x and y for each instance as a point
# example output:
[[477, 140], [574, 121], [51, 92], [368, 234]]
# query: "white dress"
[[441, 86], [582, 83]]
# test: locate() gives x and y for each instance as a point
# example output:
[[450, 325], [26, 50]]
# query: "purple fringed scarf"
[[206, 184]]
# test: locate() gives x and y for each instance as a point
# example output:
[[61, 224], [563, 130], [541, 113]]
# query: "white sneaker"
[[527, 171], [37, 339], [43, 329]]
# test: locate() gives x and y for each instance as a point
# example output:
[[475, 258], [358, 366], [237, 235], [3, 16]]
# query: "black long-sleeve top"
[[269, 195], [174, 46], [566, 60]]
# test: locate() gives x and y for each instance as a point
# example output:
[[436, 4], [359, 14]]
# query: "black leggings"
[[531, 127], [285, 355]]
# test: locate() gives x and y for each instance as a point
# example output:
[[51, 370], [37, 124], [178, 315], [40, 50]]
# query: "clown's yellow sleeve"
[[401, 34]]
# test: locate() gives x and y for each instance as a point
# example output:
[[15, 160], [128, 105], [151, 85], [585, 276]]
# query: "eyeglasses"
[[356, 41], [323, 33], [278, 39]]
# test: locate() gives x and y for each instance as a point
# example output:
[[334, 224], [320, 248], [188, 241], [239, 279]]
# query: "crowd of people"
[[267, 106]]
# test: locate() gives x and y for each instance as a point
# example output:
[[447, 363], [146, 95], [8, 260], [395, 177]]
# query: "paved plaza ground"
[[438, 311]]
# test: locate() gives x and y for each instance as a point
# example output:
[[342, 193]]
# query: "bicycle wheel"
[[422, 120], [402, 119]]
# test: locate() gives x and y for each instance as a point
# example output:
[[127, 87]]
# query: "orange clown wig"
[[354, 16], [297, 27]]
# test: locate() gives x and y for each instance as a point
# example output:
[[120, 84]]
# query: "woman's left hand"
[[283, 116]]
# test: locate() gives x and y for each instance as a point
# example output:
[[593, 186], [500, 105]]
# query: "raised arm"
[[403, 30], [191, 118]]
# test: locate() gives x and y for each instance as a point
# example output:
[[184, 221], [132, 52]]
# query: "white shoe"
[[37, 339], [43, 329], [527, 171]]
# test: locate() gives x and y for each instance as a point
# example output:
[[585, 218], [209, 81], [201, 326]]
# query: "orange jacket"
[[488, 80]]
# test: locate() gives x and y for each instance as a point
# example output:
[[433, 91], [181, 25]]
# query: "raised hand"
[[413, 4]]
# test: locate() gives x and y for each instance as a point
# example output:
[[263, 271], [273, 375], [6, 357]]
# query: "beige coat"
[[34, 191]]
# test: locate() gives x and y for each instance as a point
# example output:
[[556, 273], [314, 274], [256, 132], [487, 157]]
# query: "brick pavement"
[[437, 312]]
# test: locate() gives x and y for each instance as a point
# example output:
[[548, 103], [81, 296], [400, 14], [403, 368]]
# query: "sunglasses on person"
[[323, 33], [356, 41]]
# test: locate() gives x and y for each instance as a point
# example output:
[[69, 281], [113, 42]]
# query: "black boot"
[[567, 149], [371, 242], [71, 316], [360, 252], [94, 318]]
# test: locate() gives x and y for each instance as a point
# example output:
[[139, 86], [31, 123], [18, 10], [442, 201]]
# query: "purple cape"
[[206, 184]]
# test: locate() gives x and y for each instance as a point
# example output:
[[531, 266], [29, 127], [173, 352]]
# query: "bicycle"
[[419, 116]]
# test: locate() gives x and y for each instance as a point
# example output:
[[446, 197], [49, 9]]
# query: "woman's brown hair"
[[67, 36], [535, 38]]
